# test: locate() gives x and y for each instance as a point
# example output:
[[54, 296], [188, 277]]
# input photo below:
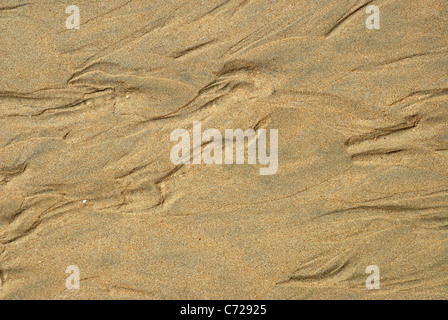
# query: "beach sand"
[[86, 177]]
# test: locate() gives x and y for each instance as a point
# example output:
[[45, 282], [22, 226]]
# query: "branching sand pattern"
[[86, 114]]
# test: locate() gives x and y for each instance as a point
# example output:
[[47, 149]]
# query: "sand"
[[86, 177]]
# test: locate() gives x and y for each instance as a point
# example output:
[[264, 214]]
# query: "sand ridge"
[[86, 177]]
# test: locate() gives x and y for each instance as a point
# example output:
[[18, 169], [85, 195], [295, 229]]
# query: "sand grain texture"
[[87, 115]]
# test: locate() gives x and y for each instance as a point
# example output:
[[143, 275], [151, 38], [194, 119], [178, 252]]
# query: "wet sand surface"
[[86, 177]]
